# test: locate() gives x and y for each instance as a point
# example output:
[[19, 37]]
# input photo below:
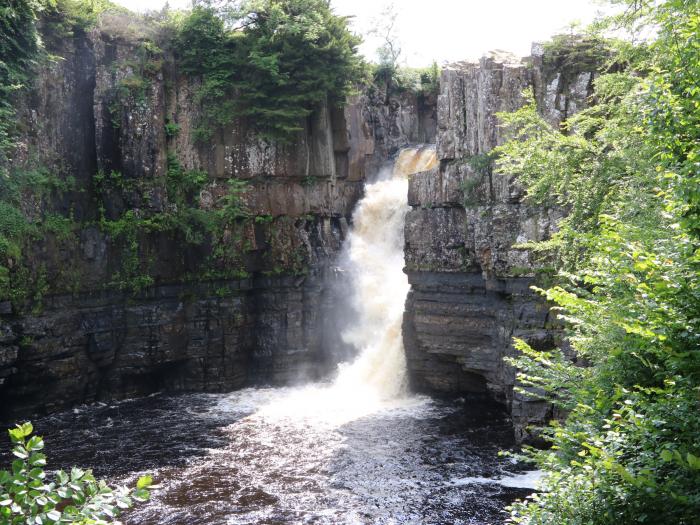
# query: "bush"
[[28, 495]]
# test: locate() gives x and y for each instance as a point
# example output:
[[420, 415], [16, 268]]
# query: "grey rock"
[[470, 282]]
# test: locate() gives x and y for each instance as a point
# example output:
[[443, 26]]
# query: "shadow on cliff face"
[[130, 436]]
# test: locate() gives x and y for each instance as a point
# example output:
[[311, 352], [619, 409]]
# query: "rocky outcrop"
[[470, 284], [108, 107]]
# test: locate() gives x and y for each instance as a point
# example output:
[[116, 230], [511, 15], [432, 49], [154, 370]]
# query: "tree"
[[389, 52], [271, 61], [626, 169]]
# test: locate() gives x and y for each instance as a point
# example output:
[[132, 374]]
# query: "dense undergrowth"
[[628, 171]]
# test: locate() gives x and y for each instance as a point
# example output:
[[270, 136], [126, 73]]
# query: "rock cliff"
[[124, 302], [470, 284], [123, 313]]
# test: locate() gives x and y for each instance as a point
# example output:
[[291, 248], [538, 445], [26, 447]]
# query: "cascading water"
[[357, 450], [373, 255], [374, 251]]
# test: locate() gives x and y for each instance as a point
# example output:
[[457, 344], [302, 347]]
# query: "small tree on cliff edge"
[[271, 61], [389, 51]]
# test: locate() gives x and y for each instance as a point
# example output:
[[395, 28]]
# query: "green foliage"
[[430, 79], [421, 81], [62, 19], [171, 129], [627, 172], [599, 163], [19, 48], [30, 495], [25, 215], [127, 230], [271, 61], [568, 55], [184, 218], [264, 219], [232, 207]]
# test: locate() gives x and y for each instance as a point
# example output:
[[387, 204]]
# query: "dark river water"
[[296, 456]]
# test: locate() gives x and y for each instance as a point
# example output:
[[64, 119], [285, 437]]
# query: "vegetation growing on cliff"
[[19, 46], [27, 188], [20, 49], [627, 169], [270, 61], [388, 69]]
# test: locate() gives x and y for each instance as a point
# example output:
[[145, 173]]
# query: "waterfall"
[[374, 255]]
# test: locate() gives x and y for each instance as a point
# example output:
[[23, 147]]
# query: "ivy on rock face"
[[271, 61]]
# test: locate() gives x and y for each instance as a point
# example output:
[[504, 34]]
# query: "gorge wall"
[[130, 298], [470, 283], [123, 304]]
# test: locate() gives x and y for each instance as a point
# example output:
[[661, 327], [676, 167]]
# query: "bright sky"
[[452, 30]]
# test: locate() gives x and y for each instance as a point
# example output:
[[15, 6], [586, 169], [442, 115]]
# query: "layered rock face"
[[260, 318], [470, 284]]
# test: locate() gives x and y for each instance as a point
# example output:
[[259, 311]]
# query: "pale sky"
[[452, 30]]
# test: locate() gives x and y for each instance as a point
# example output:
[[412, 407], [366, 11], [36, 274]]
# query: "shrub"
[[28, 495]]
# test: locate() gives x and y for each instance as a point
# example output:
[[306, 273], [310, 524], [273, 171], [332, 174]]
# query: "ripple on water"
[[272, 456]]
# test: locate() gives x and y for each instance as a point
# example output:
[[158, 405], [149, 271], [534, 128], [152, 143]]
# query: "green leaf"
[[27, 428], [17, 466], [141, 495], [16, 435], [37, 473], [62, 477], [37, 460], [693, 461], [144, 482], [35, 443], [20, 452], [76, 474]]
